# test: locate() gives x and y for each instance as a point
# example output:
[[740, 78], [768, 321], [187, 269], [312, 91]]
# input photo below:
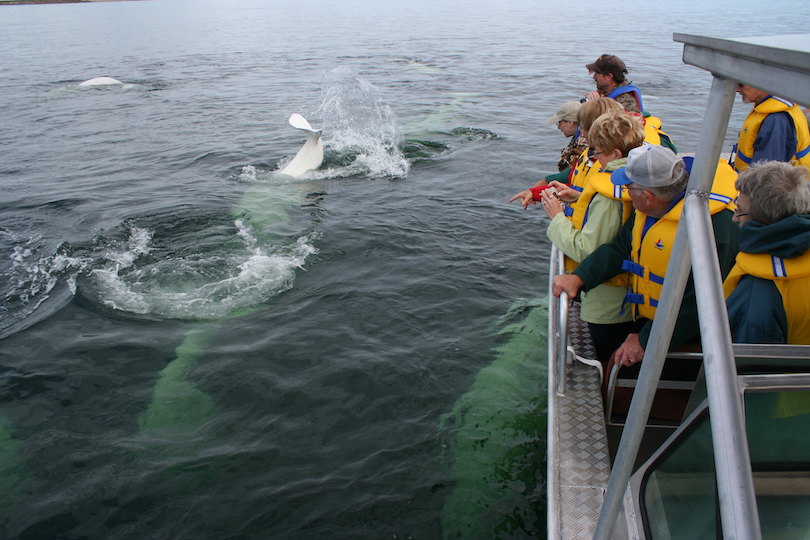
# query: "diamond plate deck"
[[583, 462]]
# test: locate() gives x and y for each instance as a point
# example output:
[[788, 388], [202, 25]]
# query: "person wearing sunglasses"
[[566, 120]]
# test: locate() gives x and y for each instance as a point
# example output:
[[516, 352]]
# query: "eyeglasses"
[[627, 187], [737, 212]]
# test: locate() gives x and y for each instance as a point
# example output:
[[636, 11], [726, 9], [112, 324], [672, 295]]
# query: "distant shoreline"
[[21, 2]]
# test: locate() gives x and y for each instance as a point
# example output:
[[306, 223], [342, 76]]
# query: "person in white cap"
[[566, 120], [656, 181]]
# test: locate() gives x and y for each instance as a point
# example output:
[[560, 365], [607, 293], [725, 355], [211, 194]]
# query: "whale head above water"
[[100, 81], [310, 156]]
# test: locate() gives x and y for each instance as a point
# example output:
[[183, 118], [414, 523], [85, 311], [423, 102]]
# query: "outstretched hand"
[[526, 198]]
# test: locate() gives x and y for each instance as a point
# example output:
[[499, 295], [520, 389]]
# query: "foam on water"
[[198, 286], [32, 277]]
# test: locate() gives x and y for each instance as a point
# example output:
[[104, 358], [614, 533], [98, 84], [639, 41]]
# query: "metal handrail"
[[552, 470], [558, 324], [562, 344]]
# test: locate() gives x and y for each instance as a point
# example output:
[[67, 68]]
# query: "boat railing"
[[555, 340], [558, 324], [561, 349]]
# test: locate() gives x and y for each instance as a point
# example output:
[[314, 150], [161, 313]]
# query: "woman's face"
[[743, 206], [605, 156]]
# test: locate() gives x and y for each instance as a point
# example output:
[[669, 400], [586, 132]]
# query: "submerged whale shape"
[[100, 81], [310, 156], [178, 407]]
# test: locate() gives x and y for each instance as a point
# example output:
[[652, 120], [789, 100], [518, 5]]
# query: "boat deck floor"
[[584, 460]]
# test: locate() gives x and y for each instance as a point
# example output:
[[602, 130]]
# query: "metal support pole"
[[553, 320], [552, 465], [562, 345], [735, 485], [738, 507], [648, 377]]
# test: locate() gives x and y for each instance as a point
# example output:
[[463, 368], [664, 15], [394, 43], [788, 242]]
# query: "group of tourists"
[[615, 202]]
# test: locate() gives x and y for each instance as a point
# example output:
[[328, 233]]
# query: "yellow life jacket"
[[584, 164], [578, 178], [652, 130], [750, 129], [597, 181], [650, 251], [792, 279]]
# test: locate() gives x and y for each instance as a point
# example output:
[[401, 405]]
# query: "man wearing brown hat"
[[566, 120], [608, 73]]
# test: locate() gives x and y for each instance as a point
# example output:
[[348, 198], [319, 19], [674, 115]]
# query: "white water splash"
[[33, 275], [357, 123]]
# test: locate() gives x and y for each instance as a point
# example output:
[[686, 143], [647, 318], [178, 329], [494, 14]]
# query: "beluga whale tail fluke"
[[310, 156], [99, 81]]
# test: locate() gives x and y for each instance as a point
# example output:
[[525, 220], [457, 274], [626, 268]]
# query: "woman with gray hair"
[[768, 290]]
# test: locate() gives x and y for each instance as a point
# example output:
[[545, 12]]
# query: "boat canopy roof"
[[779, 65]]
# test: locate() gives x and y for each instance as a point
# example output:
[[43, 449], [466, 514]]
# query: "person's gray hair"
[[680, 179], [776, 190]]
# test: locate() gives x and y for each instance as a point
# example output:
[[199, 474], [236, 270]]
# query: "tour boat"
[[729, 457]]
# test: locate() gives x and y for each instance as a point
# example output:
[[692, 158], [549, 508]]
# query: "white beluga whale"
[[99, 81], [310, 156]]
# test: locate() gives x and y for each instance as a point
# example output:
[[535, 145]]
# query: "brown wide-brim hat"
[[607, 63]]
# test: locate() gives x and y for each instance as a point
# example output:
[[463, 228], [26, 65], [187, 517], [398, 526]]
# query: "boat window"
[[679, 493], [778, 429]]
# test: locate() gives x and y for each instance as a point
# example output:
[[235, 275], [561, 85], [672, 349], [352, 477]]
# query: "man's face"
[[604, 82], [750, 94], [567, 127], [639, 196]]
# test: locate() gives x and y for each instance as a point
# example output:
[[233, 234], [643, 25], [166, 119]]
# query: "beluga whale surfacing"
[[310, 156], [99, 81]]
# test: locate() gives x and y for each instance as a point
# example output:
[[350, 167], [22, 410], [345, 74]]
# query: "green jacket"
[[602, 304]]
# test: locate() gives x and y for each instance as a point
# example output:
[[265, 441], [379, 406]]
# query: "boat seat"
[[675, 387]]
